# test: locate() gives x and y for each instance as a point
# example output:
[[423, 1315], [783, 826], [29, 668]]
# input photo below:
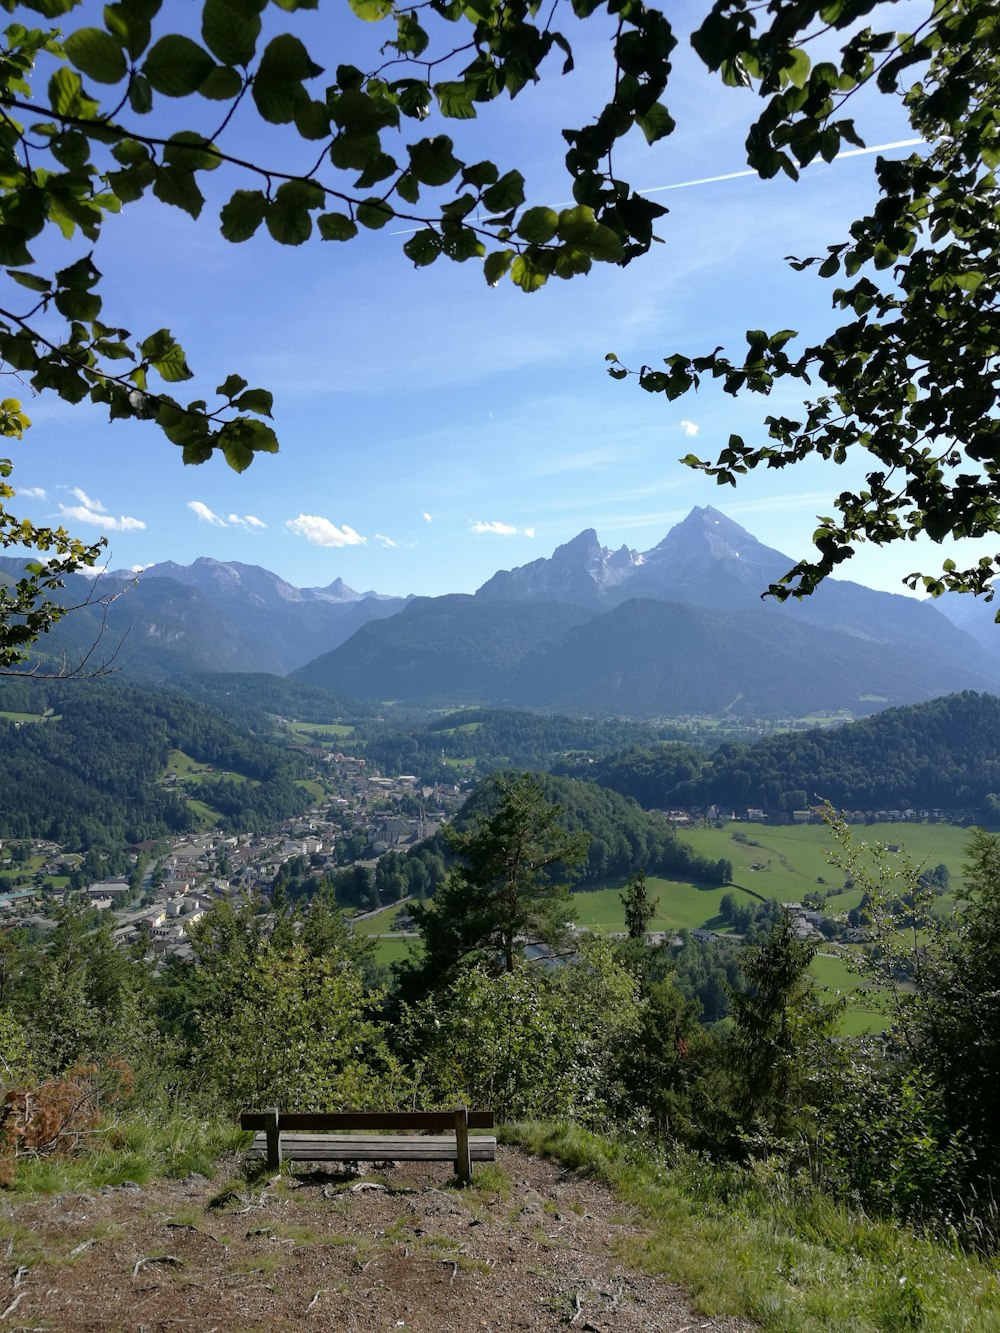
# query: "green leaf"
[[222, 84], [538, 225], [496, 265], [301, 194], [237, 453], [374, 213], [507, 193], [602, 243], [372, 11], [166, 356], [242, 215], [76, 303], [174, 185], [336, 227], [576, 224], [190, 152], [480, 174], [656, 123], [176, 66], [796, 68], [65, 89], [97, 54], [129, 21], [12, 248], [140, 95], [256, 400], [231, 386], [31, 281], [312, 119], [230, 30], [414, 98], [408, 188], [571, 262], [129, 152], [526, 275], [423, 248], [432, 160], [288, 224], [286, 59], [455, 100]]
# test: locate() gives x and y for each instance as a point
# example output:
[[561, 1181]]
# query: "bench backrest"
[[429, 1121]]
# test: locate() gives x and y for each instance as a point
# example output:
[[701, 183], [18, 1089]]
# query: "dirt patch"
[[529, 1247]]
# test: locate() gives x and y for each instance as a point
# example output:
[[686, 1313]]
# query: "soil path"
[[532, 1247]]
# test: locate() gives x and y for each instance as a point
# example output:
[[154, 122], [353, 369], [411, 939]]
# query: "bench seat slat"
[[367, 1120], [375, 1148]]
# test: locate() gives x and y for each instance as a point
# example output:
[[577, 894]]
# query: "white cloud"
[[690, 427], [427, 517], [321, 532], [245, 521], [87, 502], [81, 514], [206, 515], [499, 529], [386, 541], [34, 492], [137, 569]]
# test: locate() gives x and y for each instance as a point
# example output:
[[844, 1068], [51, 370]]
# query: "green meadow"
[[787, 861], [321, 729]]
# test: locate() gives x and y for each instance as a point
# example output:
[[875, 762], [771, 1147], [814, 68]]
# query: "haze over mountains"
[[678, 629]]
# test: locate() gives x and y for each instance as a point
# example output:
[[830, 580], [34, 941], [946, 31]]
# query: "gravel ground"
[[532, 1247]]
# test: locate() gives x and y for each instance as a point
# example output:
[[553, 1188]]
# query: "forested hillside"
[[944, 755], [498, 738], [83, 764]]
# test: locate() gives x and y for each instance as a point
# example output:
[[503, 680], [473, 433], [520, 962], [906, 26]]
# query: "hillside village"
[[181, 878]]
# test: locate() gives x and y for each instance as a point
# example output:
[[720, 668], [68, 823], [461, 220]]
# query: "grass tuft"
[[750, 1242]]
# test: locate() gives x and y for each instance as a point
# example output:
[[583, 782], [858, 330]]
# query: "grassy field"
[[680, 905], [321, 728], [788, 861], [30, 717], [866, 1008], [381, 924]]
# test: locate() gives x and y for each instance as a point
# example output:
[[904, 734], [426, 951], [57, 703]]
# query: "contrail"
[[735, 175]]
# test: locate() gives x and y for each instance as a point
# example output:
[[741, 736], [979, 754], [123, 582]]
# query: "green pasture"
[[465, 726], [29, 867], [382, 923], [29, 717], [189, 770], [866, 1008], [183, 765], [205, 815], [321, 728], [681, 905], [787, 861], [393, 950], [460, 763]]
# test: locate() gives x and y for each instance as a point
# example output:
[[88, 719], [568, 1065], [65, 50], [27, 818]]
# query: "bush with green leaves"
[[540, 1041], [297, 1031]]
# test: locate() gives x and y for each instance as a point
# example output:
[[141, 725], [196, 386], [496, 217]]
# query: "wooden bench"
[[413, 1136]]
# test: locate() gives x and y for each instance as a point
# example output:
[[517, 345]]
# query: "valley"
[[199, 850]]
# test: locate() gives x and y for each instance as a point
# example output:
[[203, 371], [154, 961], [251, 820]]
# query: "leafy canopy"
[[89, 126]]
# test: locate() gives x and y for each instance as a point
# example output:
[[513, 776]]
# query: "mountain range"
[[677, 629]]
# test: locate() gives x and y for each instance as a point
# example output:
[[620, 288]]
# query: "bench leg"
[[273, 1138], [463, 1158]]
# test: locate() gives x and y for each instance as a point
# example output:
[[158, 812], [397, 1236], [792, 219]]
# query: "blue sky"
[[433, 430]]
